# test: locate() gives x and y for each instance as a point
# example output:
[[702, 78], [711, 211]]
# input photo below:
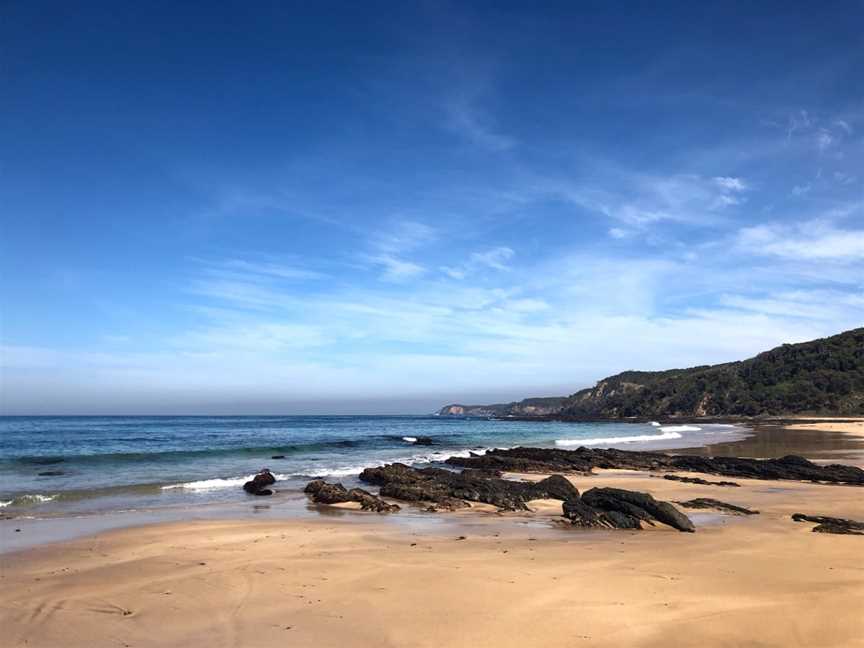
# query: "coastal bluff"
[[824, 376]]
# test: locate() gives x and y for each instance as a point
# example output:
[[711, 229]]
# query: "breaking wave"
[[24, 500], [639, 438]]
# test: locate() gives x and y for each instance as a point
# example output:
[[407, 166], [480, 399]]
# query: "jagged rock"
[[831, 524], [699, 480], [617, 508], [324, 493], [258, 484], [639, 505], [709, 503], [584, 460], [450, 490]]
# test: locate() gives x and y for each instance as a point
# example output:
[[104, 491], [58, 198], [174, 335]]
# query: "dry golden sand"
[[757, 581], [851, 427]]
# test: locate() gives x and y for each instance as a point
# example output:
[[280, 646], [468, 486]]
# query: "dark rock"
[[555, 487], [831, 524], [709, 503], [259, 483], [450, 490], [424, 440], [324, 493], [584, 460], [51, 473], [641, 506], [699, 480], [278, 457], [616, 508]]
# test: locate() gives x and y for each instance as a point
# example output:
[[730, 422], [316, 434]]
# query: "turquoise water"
[[52, 465]]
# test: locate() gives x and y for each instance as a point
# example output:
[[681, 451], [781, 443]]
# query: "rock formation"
[[831, 524], [709, 503], [584, 460], [323, 493], [259, 483]]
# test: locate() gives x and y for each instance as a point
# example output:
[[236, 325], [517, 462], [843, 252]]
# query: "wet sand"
[[829, 439]]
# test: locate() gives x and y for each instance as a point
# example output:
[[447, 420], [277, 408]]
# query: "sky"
[[333, 207]]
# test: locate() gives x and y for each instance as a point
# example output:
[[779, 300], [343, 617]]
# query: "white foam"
[[410, 439], [28, 499], [655, 424], [640, 438], [215, 484], [680, 428], [356, 469]]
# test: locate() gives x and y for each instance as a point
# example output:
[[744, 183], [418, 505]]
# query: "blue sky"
[[383, 207]]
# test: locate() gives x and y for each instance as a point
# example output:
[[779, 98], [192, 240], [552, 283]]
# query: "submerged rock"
[[584, 460], [323, 493], [826, 524], [709, 503], [259, 483]]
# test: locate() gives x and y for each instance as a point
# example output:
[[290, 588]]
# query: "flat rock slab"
[[831, 524], [710, 503], [585, 460], [700, 481]]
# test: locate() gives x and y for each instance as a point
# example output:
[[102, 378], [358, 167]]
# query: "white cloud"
[[730, 183], [844, 125], [618, 233], [641, 200], [496, 258], [814, 239], [493, 259], [800, 190], [396, 269], [272, 269]]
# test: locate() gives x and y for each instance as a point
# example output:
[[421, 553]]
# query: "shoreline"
[[768, 440], [496, 579]]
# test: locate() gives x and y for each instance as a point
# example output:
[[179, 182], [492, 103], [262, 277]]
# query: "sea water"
[[57, 465]]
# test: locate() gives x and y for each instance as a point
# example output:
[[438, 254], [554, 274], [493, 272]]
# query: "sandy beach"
[[759, 580]]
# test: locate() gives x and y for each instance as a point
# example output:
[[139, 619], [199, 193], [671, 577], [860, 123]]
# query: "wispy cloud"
[[641, 200], [494, 259], [390, 246], [815, 239], [465, 117]]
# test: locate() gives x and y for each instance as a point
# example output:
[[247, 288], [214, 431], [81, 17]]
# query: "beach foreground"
[[759, 580]]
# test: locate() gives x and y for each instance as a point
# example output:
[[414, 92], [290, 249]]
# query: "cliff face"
[[822, 376]]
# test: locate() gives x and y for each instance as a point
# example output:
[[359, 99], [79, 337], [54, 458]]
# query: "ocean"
[[53, 466]]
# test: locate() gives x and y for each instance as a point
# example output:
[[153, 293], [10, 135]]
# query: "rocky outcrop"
[[599, 507], [323, 493], [616, 508], [584, 460], [831, 524], [709, 503], [259, 483], [451, 490], [699, 480]]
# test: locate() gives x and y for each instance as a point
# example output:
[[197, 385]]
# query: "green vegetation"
[[821, 377]]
